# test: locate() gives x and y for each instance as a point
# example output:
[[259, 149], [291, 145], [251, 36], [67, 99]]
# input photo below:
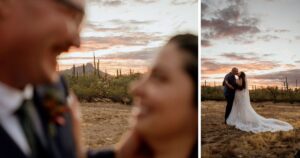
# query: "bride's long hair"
[[189, 44], [243, 77]]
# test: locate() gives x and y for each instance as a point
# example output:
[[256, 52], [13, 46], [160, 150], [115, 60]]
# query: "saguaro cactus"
[[286, 84], [98, 69], [94, 64], [83, 70], [73, 72]]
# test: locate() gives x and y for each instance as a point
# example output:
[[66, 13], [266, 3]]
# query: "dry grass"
[[219, 140], [104, 123]]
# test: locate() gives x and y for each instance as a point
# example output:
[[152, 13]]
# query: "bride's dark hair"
[[189, 44], [243, 77]]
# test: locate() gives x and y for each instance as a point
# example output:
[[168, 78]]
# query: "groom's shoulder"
[[228, 75]]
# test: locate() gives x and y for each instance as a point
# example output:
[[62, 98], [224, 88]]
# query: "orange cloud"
[[209, 66], [89, 46], [132, 39]]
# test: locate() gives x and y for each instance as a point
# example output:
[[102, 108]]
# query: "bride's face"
[[163, 99]]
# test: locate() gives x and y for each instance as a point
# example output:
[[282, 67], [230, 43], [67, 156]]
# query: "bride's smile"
[[165, 102]]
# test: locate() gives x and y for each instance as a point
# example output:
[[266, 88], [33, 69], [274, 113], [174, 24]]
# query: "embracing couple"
[[240, 113]]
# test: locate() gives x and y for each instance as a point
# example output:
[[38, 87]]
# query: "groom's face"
[[35, 33], [235, 71]]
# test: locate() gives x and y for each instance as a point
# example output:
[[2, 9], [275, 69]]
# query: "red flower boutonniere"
[[55, 103], [54, 99], [56, 112]]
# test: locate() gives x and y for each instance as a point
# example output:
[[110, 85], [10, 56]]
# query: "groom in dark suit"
[[34, 119], [230, 86]]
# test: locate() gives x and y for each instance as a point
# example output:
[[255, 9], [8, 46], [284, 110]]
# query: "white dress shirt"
[[10, 100]]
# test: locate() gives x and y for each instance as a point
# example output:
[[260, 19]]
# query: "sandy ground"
[[104, 123], [219, 140]]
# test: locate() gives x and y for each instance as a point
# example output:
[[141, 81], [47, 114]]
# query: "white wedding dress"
[[244, 117]]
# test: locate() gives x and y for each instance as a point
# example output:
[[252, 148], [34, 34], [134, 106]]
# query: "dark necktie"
[[28, 127]]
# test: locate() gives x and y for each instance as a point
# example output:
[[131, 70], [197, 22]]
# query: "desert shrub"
[[273, 94], [118, 89], [212, 93], [92, 88]]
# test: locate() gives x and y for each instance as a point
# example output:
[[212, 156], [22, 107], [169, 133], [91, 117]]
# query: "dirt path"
[[104, 123], [219, 140]]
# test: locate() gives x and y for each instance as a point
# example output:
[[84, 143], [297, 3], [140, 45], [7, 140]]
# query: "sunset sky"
[[260, 37], [127, 34]]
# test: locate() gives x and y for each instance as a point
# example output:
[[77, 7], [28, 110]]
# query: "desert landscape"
[[104, 123], [219, 140]]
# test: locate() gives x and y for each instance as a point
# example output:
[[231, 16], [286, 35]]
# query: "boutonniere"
[[56, 106], [54, 99], [56, 112]]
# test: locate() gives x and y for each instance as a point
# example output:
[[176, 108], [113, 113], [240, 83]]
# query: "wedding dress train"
[[244, 117]]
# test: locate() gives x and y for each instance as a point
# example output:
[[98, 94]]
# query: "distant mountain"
[[89, 70]]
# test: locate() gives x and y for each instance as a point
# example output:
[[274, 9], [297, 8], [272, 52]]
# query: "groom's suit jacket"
[[59, 144], [230, 78]]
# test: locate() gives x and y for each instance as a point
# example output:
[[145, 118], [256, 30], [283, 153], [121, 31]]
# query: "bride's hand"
[[130, 146]]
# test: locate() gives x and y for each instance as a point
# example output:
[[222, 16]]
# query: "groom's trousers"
[[229, 98]]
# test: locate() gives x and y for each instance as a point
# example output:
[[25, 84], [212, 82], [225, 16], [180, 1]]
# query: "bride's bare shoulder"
[[239, 81]]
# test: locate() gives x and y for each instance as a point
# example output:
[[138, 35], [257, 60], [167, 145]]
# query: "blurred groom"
[[32, 34]]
